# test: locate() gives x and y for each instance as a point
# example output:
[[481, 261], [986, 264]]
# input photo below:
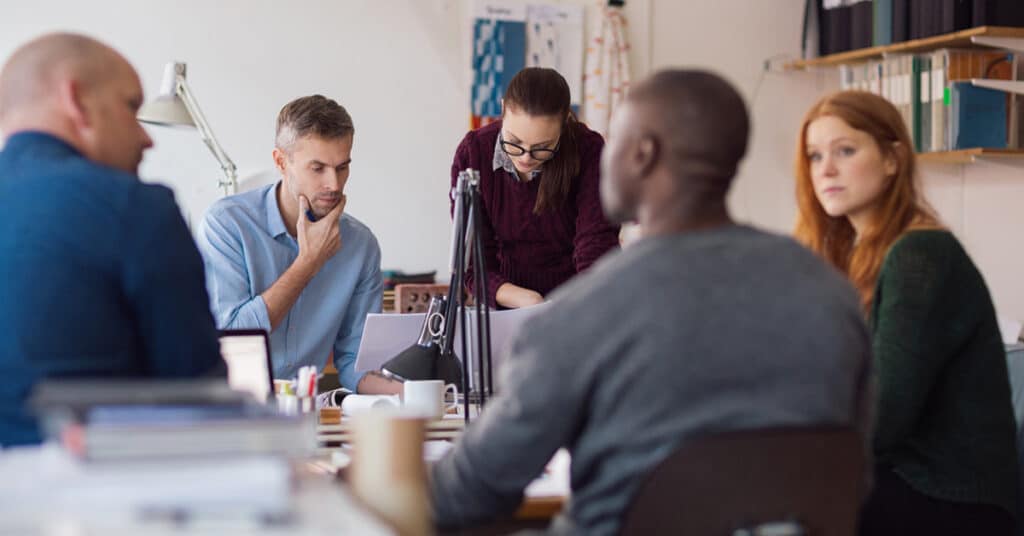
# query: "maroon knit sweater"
[[536, 251]]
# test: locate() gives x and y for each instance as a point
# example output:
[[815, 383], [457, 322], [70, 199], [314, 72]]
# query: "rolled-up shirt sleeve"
[[233, 301]]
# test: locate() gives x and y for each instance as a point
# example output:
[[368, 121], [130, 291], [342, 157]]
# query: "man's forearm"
[[281, 296], [374, 383]]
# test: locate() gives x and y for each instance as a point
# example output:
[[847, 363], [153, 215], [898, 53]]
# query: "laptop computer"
[[386, 335], [250, 369]]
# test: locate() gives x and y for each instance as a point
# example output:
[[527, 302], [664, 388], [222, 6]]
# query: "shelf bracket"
[[1009, 86], [1015, 44]]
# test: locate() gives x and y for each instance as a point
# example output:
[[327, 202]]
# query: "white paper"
[[555, 480]]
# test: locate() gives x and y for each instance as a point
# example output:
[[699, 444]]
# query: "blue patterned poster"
[[499, 52]]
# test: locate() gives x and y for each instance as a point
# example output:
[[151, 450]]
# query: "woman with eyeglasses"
[[539, 168]]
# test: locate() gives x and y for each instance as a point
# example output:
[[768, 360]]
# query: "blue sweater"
[[99, 277]]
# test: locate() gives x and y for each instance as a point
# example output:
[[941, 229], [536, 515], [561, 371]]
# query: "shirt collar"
[[275, 222], [502, 161]]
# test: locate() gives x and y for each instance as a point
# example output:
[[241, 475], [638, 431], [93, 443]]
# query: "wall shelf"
[[968, 156], [1009, 86], [984, 36]]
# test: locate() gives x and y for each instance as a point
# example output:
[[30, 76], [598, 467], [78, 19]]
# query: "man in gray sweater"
[[700, 327]]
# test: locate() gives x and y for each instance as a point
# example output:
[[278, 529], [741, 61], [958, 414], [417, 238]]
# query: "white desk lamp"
[[176, 106]]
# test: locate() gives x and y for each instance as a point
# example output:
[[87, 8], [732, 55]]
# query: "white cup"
[[425, 398]]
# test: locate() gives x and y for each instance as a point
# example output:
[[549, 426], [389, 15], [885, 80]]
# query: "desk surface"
[[332, 432], [46, 492]]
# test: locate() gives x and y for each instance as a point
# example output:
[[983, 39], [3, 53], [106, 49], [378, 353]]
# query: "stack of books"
[[171, 449]]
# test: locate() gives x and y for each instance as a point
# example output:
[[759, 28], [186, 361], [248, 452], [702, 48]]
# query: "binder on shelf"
[[977, 117], [923, 138], [811, 39], [835, 26], [882, 11], [997, 13], [952, 65], [956, 16], [900, 20], [916, 110], [929, 18], [919, 11], [860, 23]]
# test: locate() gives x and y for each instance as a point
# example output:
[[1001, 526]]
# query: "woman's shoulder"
[[485, 136], [589, 139], [925, 241], [925, 250], [478, 145]]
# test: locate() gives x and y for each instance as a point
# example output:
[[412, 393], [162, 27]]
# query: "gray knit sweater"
[[670, 339]]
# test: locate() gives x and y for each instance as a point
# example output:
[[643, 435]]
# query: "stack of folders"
[[181, 448], [149, 432], [942, 110]]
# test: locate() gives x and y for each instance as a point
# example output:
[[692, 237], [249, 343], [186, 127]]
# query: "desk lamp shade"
[[167, 109]]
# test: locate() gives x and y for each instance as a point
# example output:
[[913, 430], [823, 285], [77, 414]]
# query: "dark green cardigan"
[[944, 418]]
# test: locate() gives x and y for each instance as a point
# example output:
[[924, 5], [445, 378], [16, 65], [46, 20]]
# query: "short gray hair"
[[315, 115]]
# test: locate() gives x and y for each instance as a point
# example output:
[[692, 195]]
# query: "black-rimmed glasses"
[[541, 155]]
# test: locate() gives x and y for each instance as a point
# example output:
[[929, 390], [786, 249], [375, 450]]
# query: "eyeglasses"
[[541, 155]]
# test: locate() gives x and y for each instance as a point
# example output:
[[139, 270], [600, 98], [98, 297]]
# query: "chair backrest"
[[814, 478]]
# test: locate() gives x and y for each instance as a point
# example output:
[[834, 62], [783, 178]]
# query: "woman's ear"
[[891, 159]]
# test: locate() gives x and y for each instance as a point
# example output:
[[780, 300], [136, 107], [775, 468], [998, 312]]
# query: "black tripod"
[[433, 356]]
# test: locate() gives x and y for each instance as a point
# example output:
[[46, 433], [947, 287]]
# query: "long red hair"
[[900, 207]]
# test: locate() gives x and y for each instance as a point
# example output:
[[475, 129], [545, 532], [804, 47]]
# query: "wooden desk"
[[331, 431], [540, 508]]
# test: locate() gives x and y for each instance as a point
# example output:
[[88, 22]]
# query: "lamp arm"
[[230, 181]]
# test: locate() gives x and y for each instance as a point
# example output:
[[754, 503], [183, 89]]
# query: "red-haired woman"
[[539, 171], [944, 441]]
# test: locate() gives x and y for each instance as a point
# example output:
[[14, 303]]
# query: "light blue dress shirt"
[[246, 248]]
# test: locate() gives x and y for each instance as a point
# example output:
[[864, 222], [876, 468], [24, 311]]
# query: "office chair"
[[805, 481]]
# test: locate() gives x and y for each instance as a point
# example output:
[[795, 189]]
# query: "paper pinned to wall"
[[554, 39], [499, 52], [509, 35]]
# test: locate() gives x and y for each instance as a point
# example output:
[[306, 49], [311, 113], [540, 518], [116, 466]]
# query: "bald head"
[[79, 90], [700, 119], [30, 77], [678, 139]]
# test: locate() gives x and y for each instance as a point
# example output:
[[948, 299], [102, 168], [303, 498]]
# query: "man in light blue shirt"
[[287, 259]]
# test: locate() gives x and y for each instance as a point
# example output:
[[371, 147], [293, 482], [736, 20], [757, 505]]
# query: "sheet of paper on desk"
[[554, 481], [386, 335]]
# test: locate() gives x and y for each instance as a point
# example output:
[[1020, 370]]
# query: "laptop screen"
[[247, 354]]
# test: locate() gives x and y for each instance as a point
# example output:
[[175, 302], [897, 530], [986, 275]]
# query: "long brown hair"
[[539, 91], [901, 207]]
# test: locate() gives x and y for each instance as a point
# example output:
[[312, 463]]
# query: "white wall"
[[979, 202], [401, 68]]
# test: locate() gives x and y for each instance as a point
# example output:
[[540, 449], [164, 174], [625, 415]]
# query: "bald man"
[[99, 276], [700, 327]]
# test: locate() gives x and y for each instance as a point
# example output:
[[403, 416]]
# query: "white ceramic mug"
[[425, 398]]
